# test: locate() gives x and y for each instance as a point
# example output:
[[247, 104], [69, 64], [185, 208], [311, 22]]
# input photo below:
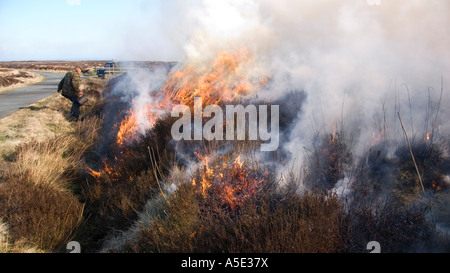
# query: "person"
[[69, 87]]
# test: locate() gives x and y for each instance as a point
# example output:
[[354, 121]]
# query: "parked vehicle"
[[113, 68]]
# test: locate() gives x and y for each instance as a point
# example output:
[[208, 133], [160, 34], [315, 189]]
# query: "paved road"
[[13, 100]]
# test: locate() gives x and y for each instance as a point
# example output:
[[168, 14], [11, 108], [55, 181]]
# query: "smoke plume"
[[358, 65]]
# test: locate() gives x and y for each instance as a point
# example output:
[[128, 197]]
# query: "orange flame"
[[207, 173], [111, 171], [224, 81], [128, 128], [239, 185], [233, 183], [95, 174], [376, 138], [436, 186], [238, 161]]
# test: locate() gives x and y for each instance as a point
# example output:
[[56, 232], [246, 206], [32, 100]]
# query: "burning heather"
[[231, 182], [362, 154], [225, 80]]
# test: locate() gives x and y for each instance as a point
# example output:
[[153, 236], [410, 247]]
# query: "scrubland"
[[67, 181]]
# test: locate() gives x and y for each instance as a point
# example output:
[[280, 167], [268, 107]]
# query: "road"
[[18, 98]]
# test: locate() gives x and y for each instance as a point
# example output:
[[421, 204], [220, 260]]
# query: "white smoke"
[[358, 61], [352, 58]]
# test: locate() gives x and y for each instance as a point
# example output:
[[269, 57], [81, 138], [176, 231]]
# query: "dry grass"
[[263, 219], [433, 164], [308, 223], [113, 200], [42, 160], [37, 122], [4, 237], [45, 163], [330, 158], [47, 154], [189, 223], [398, 229], [173, 230], [6, 246], [44, 217]]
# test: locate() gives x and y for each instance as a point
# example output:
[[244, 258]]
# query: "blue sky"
[[88, 30]]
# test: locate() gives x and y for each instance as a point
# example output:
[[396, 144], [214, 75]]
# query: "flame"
[[99, 174], [110, 171], [205, 183], [334, 135], [95, 174], [233, 183], [376, 138], [428, 136], [207, 173], [239, 185], [238, 161], [128, 128], [436, 186], [224, 81]]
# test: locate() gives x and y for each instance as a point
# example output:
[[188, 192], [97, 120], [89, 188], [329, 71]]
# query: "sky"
[[88, 30]]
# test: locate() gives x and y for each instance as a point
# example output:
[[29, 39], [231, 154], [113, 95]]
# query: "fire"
[[238, 184], [428, 136], [334, 135], [109, 170], [95, 174], [224, 81], [98, 174], [436, 186], [376, 138], [232, 182], [128, 128], [238, 161], [207, 173]]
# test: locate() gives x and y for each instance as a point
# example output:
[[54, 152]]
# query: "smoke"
[[351, 57], [342, 72], [358, 63]]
